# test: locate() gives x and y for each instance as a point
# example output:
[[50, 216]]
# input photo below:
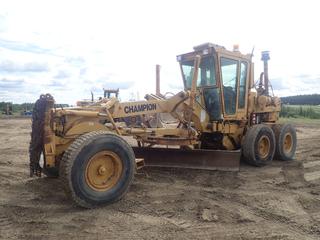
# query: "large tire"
[[97, 169], [259, 145], [286, 141]]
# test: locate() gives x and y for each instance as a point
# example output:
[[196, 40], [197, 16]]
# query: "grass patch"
[[300, 121], [300, 111]]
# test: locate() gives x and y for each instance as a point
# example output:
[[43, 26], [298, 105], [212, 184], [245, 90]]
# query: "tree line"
[[310, 99], [20, 108]]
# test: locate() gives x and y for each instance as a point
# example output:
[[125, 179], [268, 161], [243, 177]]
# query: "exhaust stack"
[[265, 57], [158, 80]]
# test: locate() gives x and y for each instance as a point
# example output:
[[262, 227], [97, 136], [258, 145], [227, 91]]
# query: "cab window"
[[242, 84], [206, 72], [229, 69]]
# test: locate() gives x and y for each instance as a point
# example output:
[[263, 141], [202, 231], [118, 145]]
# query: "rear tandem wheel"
[[286, 141], [259, 145], [97, 169]]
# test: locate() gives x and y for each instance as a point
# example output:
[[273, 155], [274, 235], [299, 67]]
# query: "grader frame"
[[219, 117]]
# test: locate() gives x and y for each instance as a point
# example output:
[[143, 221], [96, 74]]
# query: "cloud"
[[176, 86], [24, 46], [76, 61], [13, 67], [30, 34], [62, 74], [56, 83], [308, 79], [303, 76], [278, 83], [308, 83], [17, 90], [11, 85], [59, 85], [297, 85], [3, 20], [104, 82], [120, 85], [82, 71]]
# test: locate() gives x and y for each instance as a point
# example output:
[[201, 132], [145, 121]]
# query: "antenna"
[[252, 52]]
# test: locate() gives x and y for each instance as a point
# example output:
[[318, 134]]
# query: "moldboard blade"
[[196, 159]]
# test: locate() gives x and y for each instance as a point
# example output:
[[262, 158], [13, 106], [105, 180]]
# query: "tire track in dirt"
[[258, 212]]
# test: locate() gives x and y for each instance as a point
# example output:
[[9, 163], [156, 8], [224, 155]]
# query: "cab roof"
[[210, 48]]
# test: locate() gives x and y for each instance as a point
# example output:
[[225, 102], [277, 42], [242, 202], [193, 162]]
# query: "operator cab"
[[223, 79], [109, 93]]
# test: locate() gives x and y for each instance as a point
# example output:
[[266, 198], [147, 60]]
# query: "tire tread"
[[67, 162], [248, 148]]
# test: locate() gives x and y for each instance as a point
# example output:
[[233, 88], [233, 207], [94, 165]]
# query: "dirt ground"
[[280, 201]]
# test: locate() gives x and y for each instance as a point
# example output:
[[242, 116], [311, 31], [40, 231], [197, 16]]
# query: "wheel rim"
[[288, 143], [103, 171], [264, 146]]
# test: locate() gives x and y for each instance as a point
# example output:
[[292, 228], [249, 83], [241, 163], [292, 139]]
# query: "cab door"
[[243, 89], [233, 86]]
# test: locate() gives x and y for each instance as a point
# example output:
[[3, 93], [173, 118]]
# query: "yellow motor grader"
[[220, 117]]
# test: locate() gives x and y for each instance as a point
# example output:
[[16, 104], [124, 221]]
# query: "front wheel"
[[97, 169]]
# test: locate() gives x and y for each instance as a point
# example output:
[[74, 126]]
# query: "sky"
[[70, 48]]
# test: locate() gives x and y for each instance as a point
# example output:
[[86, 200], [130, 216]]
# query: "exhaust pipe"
[[265, 57], [158, 80]]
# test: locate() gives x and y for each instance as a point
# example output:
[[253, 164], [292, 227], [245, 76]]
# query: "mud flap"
[[194, 159]]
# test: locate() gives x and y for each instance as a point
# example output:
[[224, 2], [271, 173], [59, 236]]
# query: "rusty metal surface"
[[170, 140], [194, 159]]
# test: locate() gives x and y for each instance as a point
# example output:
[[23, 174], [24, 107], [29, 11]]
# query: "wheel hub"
[[103, 171], [288, 143], [264, 146]]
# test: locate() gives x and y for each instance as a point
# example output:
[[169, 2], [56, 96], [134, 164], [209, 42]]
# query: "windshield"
[[206, 73]]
